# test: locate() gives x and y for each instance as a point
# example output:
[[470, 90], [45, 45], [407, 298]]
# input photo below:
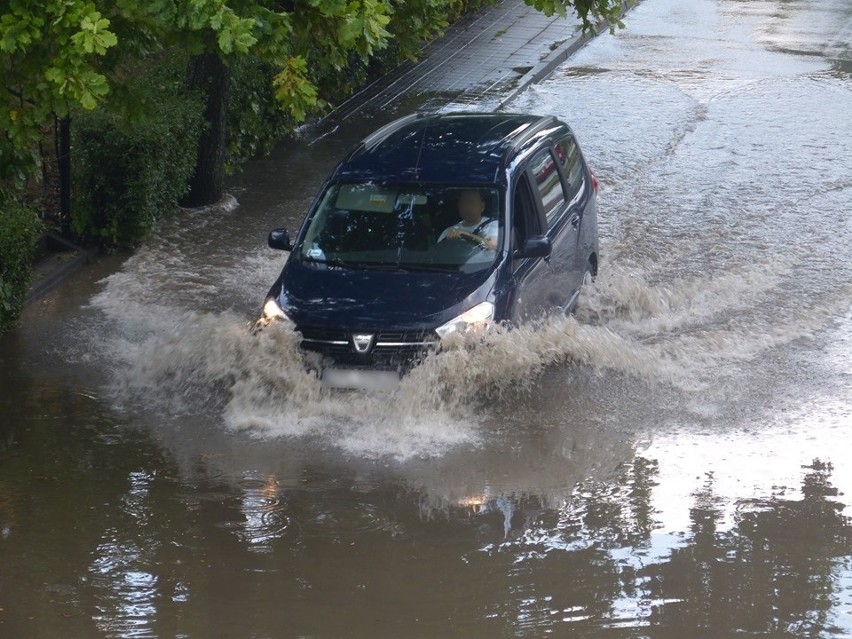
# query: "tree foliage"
[[591, 12], [50, 55], [64, 54], [58, 57], [19, 229]]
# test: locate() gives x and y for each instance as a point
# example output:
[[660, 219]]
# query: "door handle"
[[575, 221]]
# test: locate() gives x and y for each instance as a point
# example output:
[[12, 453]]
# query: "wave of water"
[[210, 362], [675, 333]]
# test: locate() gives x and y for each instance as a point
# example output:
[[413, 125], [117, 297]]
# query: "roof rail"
[[528, 133], [376, 136]]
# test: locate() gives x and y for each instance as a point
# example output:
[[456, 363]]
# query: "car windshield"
[[404, 226]]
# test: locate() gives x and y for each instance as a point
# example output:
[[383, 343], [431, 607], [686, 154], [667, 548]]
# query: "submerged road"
[[673, 462]]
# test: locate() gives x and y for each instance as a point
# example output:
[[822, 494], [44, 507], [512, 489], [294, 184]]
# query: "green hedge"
[[256, 123], [19, 231], [131, 168]]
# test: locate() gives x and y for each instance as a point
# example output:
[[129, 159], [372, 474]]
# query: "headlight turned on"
[[476, 320], [271, 312]]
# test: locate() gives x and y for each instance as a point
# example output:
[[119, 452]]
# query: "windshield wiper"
[[333, 261], [406, 266], [436, 268], [378, 266], [384, 266]]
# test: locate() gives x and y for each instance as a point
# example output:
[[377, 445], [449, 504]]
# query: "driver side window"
[[525, 219]]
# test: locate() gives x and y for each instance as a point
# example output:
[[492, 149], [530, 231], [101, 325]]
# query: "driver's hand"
[[490, 243], [453, 234]]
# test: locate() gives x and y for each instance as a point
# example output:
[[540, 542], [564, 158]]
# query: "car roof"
[[449, 148]]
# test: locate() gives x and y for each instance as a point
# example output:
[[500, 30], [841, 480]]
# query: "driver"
[[473, 225]]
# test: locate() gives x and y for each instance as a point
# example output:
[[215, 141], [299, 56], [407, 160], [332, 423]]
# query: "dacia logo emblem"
[[363, 342]]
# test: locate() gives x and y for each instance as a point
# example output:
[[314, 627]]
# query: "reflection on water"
[[782, 567], [575, 532], [262, 513]]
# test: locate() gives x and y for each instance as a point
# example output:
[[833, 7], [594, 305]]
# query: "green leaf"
[[293, 90]]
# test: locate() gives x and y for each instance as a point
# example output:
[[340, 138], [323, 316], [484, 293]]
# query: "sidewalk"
[[483, 60]]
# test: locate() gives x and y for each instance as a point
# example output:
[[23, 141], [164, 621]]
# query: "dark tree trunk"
[[63, 158], [209, 73]]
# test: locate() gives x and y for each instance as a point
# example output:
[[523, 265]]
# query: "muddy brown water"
[[673, 462]]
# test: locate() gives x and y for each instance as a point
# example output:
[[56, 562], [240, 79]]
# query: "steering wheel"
[[473, 238]]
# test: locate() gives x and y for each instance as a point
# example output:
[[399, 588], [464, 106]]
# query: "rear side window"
[[549, 184], [572, 166]]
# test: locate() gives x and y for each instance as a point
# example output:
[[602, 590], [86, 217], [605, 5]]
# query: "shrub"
[[133, 162], [19, 230], [256, 122]]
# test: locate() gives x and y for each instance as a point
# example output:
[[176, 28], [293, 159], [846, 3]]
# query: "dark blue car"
[[434, 225]]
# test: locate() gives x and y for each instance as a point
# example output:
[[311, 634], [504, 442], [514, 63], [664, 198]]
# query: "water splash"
[[683, 332]]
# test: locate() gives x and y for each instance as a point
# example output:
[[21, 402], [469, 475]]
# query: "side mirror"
[[279, 239], [536, 246]]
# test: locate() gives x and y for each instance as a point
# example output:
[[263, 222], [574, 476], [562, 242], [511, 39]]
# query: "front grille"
[[392, 349]]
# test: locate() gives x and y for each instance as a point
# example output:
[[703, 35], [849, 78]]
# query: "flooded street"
[[673, 462]]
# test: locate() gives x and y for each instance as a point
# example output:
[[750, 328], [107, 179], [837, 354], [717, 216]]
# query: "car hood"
[[315, 295]]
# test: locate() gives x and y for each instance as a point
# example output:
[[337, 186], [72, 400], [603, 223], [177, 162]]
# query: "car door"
[[532, 277], [560, 223], [567, 227]]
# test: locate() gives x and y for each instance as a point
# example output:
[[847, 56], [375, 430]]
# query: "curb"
[[58, 259], [559, 55], [544, 68]]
